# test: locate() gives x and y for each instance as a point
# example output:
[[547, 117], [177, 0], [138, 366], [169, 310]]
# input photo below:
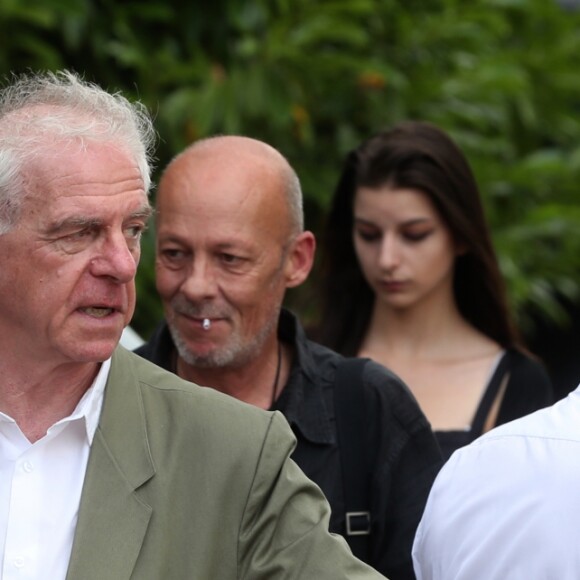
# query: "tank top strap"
[[490, 394]]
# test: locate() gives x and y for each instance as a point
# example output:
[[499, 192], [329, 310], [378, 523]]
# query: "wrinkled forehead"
[[75, 169], [35, 139]]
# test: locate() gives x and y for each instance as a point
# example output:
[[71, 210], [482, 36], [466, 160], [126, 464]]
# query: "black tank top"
[[449, 441]]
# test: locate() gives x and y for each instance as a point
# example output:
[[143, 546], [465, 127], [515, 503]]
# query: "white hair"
[[38, 109]]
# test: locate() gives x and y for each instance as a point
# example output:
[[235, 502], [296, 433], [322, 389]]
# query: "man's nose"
[[116, 259], [201, 281]]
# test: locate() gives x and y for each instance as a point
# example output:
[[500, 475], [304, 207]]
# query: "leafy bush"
[[314, 78]]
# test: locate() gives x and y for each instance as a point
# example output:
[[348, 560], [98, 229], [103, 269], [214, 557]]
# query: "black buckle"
[[358, 523]]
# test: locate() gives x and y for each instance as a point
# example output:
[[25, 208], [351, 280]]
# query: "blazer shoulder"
[[192, 410]]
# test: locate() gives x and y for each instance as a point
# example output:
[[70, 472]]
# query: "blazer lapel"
[[113, 520]]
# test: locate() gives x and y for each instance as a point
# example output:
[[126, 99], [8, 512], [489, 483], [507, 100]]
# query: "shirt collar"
[[89, 407], [302, 401]]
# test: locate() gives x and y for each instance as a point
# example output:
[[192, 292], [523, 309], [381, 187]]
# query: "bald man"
[[230, 241]]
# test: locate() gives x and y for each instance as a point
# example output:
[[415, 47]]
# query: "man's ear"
[[300, 259]]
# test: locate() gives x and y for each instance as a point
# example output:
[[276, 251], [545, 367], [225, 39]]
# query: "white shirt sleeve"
[[507, 507]]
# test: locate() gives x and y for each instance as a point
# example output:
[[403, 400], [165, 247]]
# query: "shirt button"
[[19, 562], [28, 466]]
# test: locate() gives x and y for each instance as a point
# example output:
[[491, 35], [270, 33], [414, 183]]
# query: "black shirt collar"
[[306, 398]]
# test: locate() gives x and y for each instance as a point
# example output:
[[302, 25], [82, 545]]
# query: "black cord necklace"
[[277, 377]]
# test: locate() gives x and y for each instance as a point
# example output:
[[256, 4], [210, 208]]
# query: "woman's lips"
[[393, 285]]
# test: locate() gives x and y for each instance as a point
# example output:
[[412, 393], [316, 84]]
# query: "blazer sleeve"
[[284, 530]]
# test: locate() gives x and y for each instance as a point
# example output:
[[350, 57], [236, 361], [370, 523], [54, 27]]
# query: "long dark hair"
[[411, 155]]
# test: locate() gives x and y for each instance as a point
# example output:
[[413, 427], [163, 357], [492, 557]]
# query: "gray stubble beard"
[[234, 354]]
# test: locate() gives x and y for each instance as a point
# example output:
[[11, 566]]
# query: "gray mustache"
[[202, 310]]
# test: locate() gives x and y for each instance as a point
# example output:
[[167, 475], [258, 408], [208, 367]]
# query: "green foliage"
[[314, 78]]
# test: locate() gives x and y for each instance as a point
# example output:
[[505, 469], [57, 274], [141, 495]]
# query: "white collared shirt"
[[40, 489], [507, 507]]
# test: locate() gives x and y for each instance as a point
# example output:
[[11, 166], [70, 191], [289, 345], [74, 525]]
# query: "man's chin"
[[210, 352], [207, 356], [204, 360], [93, 351]]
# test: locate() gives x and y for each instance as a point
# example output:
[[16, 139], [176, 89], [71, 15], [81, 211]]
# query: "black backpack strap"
[[351, 431]]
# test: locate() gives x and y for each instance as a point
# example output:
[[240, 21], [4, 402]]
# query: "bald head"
[[229, 244], [263, 169]]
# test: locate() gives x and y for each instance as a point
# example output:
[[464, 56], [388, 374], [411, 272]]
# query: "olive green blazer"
[[186, 483]]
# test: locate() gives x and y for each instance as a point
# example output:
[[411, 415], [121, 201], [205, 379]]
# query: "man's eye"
[[135, 231], [77, 241], [230, 259], [171, 254], [81, 235]]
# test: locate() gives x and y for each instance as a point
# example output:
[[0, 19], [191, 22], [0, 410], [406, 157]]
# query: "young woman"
[[410, 279]]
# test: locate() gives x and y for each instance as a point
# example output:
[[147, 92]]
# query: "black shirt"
[[405, 454]]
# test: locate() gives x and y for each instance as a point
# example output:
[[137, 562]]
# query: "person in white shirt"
[[111, 468], [507, 506]]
